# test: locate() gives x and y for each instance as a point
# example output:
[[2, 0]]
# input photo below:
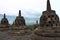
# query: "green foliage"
[[44, 28], [31, 27]]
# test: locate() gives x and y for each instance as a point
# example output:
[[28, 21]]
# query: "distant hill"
[[27, 19]]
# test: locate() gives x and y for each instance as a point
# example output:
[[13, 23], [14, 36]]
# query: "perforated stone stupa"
[[49, 26], [49, 17], [19, 21], [19, 26], [4, 23]]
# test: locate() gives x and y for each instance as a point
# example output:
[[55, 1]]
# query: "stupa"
[[4, 23], [19, 26], [19, 21], [36, 25], [49, 26]]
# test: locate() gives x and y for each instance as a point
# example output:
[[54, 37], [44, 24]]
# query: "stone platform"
[[40, 34], [19, 31], [6, 36]]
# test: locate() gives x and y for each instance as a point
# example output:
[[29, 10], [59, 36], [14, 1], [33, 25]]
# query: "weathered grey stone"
[[19, 27], [19, 21], [49, 26], [4, 26]]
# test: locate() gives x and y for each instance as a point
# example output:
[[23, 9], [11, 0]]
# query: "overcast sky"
[[12, 7]]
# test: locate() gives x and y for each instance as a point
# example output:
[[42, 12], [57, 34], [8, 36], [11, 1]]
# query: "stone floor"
[[6, 36], [37, 36]]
